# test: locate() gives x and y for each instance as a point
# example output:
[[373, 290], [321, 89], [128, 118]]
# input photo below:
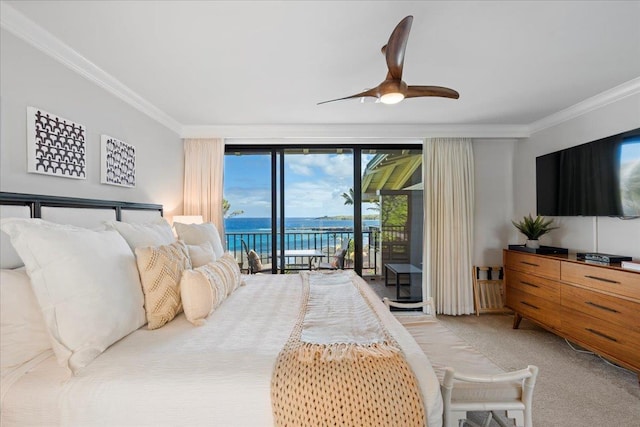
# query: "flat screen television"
[[599, 178]]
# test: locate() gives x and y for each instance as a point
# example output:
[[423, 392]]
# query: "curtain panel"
[[203, 180], [448, 224]]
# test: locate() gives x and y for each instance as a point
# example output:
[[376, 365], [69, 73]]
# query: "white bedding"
[[217, 374]]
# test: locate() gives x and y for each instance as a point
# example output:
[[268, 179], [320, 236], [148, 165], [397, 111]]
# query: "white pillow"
[[23, 334], [142, 235], [195, 234], [86, 283], [201, 254]]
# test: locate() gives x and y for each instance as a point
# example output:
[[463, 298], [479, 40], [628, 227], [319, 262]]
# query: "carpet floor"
[[574, 388]]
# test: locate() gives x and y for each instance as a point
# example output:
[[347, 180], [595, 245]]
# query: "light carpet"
[[574, 389]]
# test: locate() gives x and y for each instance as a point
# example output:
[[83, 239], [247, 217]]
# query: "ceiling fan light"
[[391, 98]]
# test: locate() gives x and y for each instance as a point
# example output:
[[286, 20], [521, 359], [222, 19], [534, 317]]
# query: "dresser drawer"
[[620, 282], [607, 338], [538, 286], [538, 265], [534, 307], [623, 313]]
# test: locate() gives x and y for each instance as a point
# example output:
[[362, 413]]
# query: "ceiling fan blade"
[[443, 92], [369, 92], [394, 50]]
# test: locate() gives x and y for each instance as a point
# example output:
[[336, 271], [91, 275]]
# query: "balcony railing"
[[325, 241]]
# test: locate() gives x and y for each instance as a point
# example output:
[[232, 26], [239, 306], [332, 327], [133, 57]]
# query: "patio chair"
[[254, 262], [338, 257]]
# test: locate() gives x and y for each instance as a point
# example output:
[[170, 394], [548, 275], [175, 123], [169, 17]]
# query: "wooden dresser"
[[597, 307]]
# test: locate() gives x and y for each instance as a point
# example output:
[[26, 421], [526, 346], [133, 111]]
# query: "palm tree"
[[348, 197], [348, 200], [225, 210]]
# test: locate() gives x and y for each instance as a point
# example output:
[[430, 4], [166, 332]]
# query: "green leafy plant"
[[534, 228]]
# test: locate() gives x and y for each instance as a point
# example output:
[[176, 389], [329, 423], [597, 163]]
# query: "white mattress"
[[217, 374]]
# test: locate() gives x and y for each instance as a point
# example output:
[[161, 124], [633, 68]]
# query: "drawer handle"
[[600, 334], [529, 304], [529, 263], [529, 284], [602, 279], [602, 307]]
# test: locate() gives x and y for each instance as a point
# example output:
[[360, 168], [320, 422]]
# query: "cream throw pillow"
[[160, 270], [86, 283], [201, 254], [202, 290], [232, 269], [196, 234], [144, 234]]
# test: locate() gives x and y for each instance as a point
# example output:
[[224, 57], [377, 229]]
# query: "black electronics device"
[[605, 258], [592, 179], [542, 250]]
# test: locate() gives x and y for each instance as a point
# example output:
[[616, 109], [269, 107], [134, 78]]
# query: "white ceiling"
[[270, 62]]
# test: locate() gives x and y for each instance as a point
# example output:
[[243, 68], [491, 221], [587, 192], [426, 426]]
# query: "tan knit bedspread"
[[360, 384]]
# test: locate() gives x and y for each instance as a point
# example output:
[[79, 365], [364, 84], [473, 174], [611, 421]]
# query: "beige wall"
[[30, 78], [493, 165], [601, 234]]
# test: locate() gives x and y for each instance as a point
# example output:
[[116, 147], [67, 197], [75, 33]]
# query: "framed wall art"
[[118, 162], [55, 145]]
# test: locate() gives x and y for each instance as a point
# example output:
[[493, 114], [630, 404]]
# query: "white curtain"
[[203, 180], [448, 224]]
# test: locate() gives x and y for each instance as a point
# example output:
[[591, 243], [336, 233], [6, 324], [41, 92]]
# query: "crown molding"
[[617, 93], [27, 30], [365, 132], [19, 25]]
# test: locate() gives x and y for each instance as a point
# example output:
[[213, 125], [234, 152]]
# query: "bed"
[[218, 373]]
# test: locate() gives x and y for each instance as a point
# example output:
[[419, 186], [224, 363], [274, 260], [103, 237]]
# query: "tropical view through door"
[[318, 208]]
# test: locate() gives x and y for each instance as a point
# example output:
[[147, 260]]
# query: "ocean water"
[[300, 233]]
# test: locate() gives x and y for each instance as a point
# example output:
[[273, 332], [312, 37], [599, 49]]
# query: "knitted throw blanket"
[[340, 365]]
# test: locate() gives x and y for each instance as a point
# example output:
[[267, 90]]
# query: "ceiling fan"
[[393, 89]]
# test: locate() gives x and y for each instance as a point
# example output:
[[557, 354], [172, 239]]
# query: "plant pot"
[[532, 244]]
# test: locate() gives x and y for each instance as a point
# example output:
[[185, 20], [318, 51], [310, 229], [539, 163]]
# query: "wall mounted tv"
[[600, 178]]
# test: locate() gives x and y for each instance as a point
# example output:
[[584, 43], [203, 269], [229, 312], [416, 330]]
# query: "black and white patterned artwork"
[[56, 146], [118, 162]]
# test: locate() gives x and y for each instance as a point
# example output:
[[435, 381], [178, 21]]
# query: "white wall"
[[30, 78], [493, 166], [601, 234]]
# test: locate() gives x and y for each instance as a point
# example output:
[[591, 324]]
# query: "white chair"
[[490, 391], [455, 411]]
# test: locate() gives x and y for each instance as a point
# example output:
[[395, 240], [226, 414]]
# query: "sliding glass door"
[[249, 207], [301, 207], [317, 208], [392, 193]]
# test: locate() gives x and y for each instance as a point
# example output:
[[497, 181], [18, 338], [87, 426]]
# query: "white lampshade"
[[188, 219]]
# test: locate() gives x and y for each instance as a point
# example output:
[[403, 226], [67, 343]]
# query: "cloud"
[[333, 165]]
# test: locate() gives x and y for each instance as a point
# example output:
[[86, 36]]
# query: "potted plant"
[[533, 229]]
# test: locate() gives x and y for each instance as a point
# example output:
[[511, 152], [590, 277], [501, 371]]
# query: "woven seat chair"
[[338, 257], [254, 262]]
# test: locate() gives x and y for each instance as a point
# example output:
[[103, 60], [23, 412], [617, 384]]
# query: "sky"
[[314, 184]]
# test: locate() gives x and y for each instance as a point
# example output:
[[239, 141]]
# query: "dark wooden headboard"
[[35, 202]]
